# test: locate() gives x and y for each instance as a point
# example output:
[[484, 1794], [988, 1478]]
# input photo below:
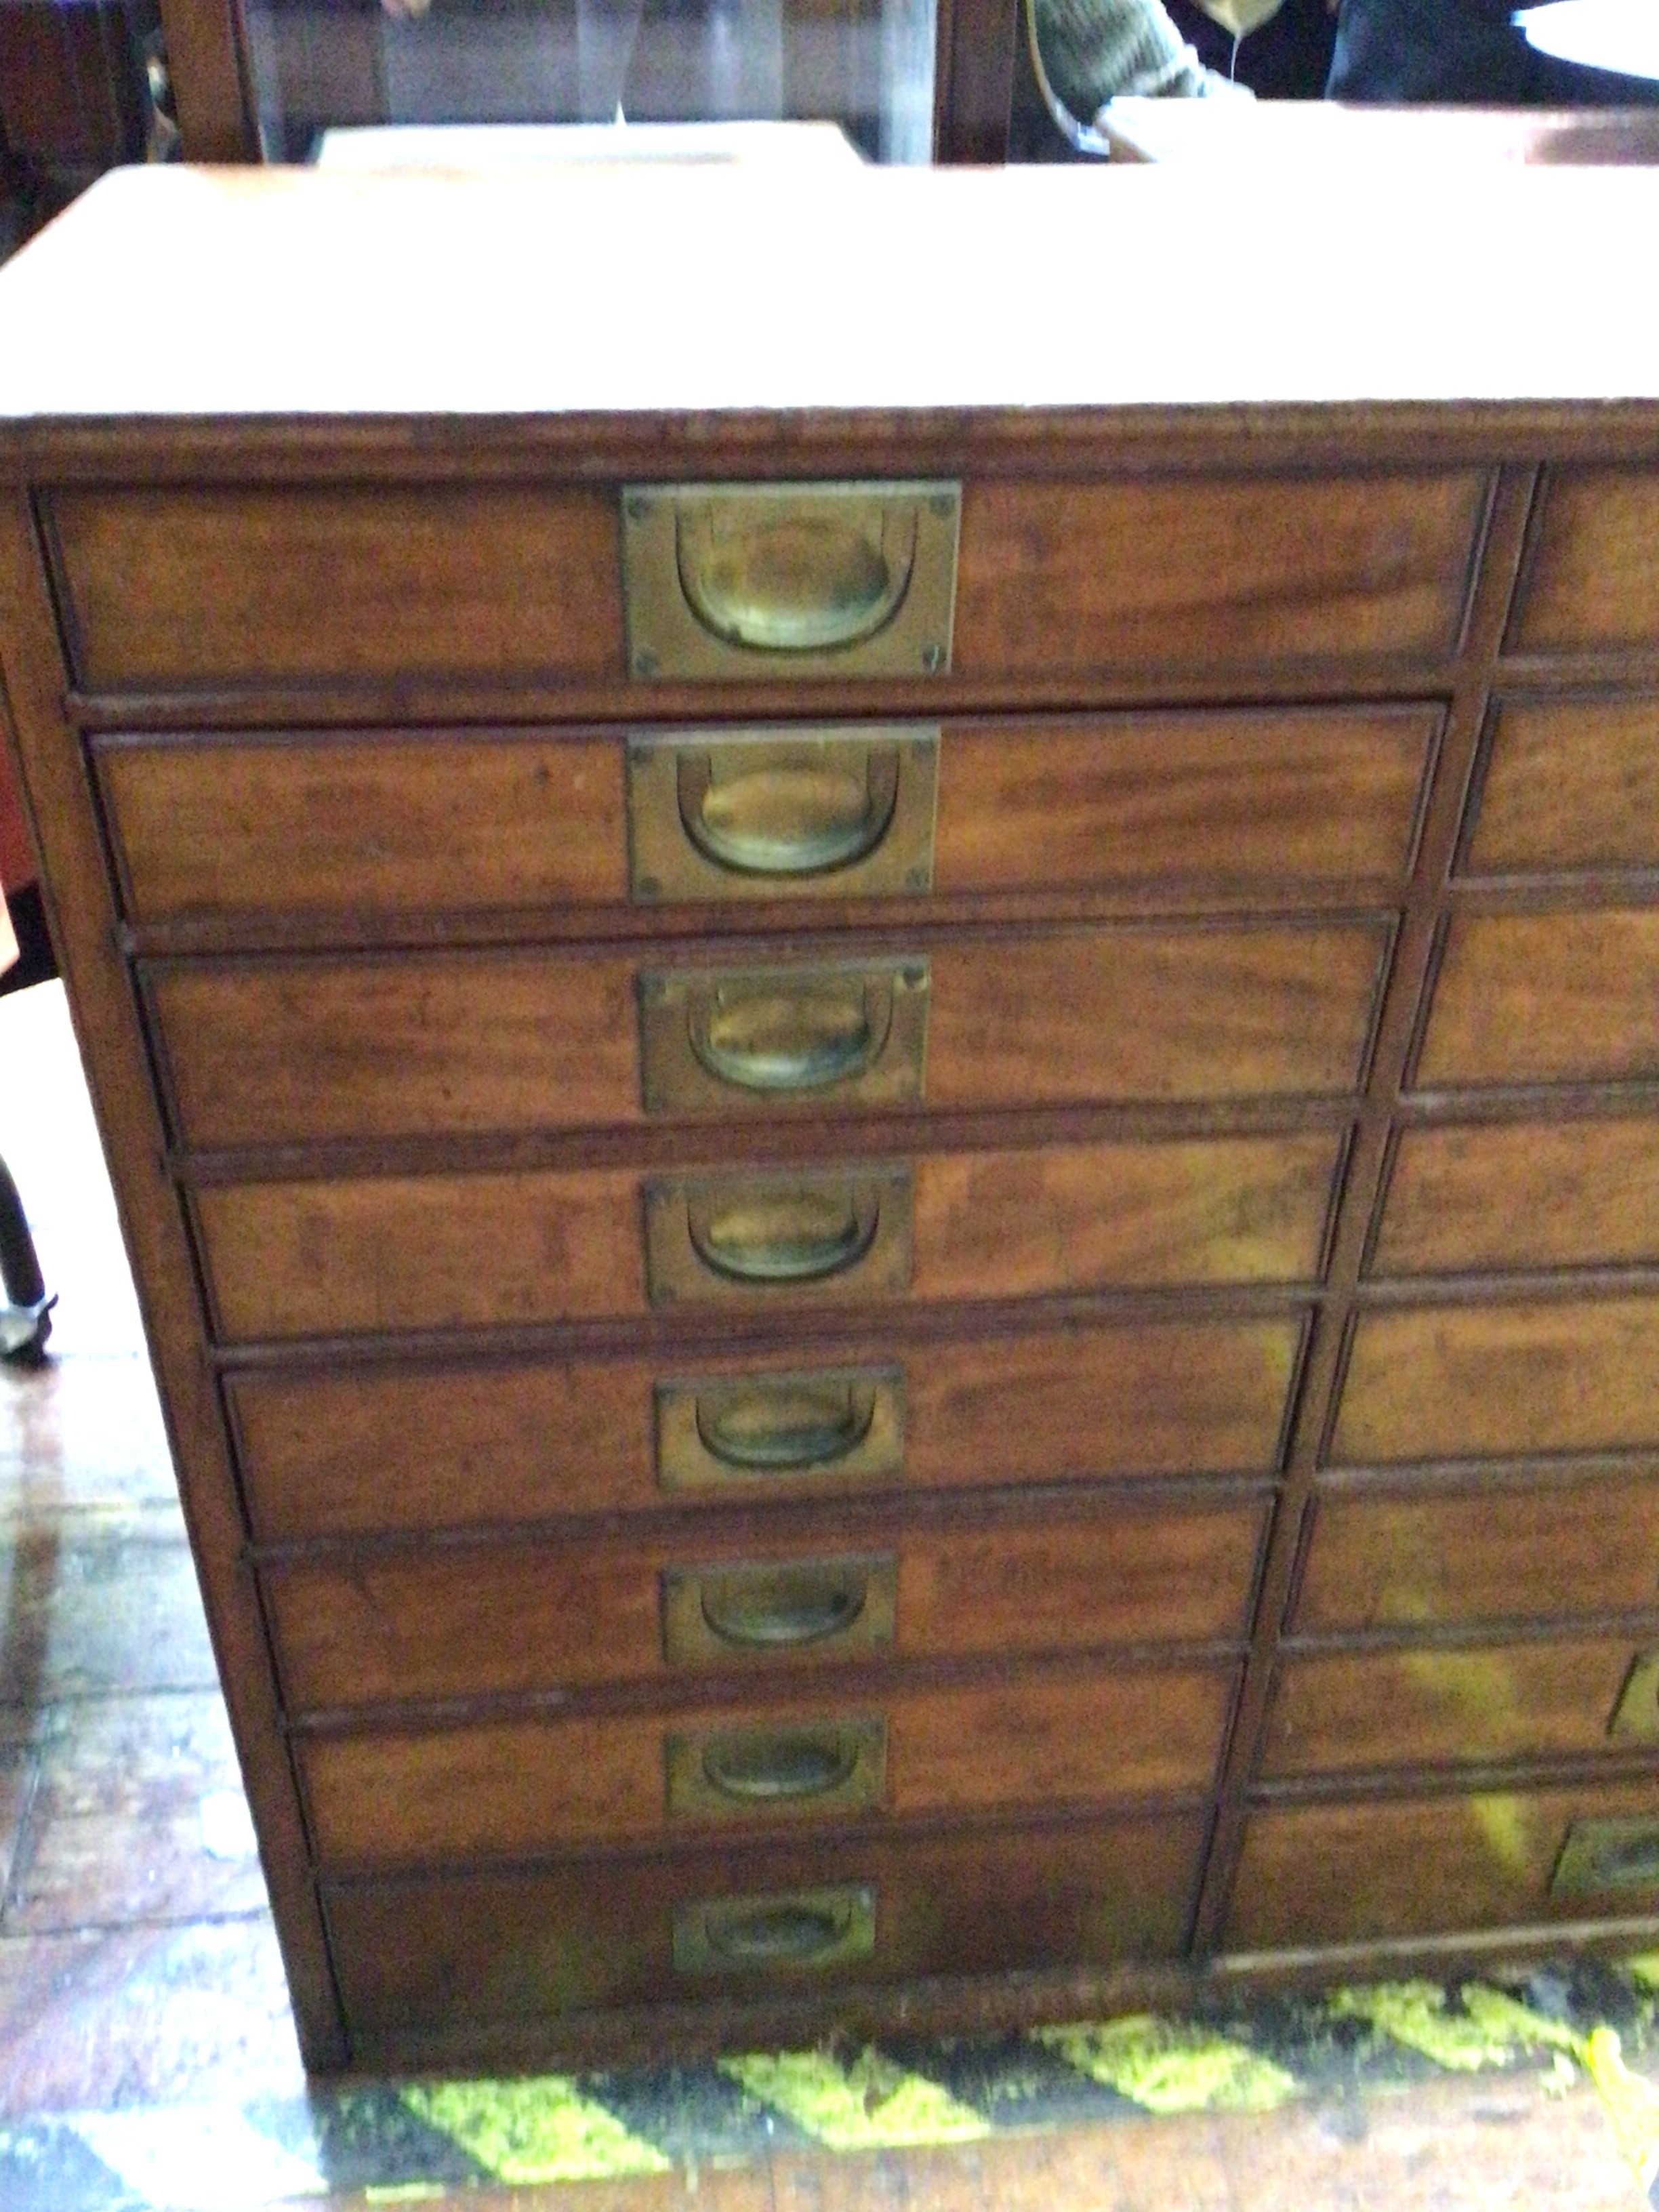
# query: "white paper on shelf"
[[1620, 35]]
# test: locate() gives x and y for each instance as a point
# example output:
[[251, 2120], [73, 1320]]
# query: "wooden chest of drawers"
[[893, 1155]]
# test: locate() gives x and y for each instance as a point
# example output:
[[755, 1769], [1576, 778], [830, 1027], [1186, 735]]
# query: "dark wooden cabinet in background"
[[893, 1154]]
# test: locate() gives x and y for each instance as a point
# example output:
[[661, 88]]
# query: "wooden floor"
[[147, 2054]]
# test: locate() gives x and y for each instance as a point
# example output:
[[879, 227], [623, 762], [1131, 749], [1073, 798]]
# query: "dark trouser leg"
[[1462, 53]]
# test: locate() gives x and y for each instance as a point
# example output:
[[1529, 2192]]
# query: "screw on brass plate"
[[932, 658], [647, 886], [637, 507], [941, 505], [916, 880], [646, 662]]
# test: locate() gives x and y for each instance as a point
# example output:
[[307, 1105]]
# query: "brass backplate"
[[1637, 1713], [842, 810], [792, 1039], [780, 1932], [818, 1235], [790, 1768], [1616, 1853], [764, 1431], [739, 581], [741, 1613]]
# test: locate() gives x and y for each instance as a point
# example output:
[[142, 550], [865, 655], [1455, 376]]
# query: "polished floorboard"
[[147, 2052]]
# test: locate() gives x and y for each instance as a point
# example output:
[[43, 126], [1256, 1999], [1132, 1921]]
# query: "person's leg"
[[1461, 52]]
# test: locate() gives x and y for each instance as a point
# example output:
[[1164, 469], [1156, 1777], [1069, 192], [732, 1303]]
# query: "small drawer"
[[230, 588], [1430, 1557], [1516, 1195], [391, 823], [1546, 998], [355, 1450], [1344, 1712], [1433, 1866], [1455, 1382], [1057, 1736], [1592, 580], [448, 1951], [479, 1620], [286, 1050], [355, 1254], [1571, 785]]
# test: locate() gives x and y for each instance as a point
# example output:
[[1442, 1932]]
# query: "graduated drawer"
[[364, 1448], [1546, 998], [1431, 1866], [281, 1050], [1592, 577], [1569, 785], [170, 589], [1504, 1195], [1462, 1383], [1344, 1711], [1539, 1549], [611, 1931], [479, 1619], [397, 823], [1053, 1737], [355, 1253]]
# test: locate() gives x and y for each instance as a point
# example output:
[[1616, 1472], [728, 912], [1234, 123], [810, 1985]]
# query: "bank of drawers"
[[1479, 1586], [718, 1532]]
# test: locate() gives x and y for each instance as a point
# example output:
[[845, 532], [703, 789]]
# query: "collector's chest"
[[893, 1167]]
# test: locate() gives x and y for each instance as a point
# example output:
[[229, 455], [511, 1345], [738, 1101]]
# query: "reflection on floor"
[[147, 2054]]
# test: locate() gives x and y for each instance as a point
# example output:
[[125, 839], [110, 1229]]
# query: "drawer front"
[[1522, 1195], [480, 1620], [1339, 1712], [168, 589], [1058, 582], [1522, 1552], [286, 1050], [1570, 784], [1546, 998], [174, 590], [520, 1946], [516, 1790], [1593, 579], [1335, 1874], [354, 1254], [1471, 1381], [384, 1448], [395, 824]]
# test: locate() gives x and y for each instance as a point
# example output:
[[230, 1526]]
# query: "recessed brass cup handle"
[[788, 811], [757, 1611], [795, 1928], [755, 1766], [786, 1426], [784, 1235], [807, 574], [788, 1034], [1618, 1852], [772, 1608]]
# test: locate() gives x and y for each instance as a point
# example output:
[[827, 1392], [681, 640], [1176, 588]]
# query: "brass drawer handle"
[[806, 1928], [711, 1041], [811, 1767], [766, 1769], [788, 1035], [814, 1235], [786, 1427], [1607, 1854], [814, 579], [785, 1236], [787, 814], [795, 576], [778, 1428], [774, 1609]]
